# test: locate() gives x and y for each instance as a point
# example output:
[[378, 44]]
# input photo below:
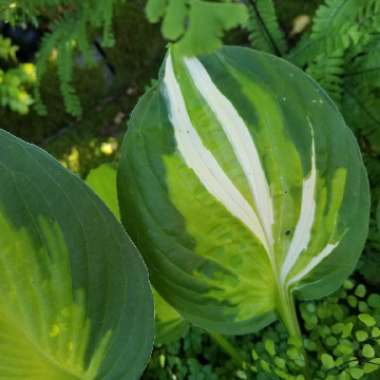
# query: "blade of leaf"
[[217, 143], [74, 295]]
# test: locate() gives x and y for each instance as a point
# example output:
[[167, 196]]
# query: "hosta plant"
[[75, 301], [243, 188]]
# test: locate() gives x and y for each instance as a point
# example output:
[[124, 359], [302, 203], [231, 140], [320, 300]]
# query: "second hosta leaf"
[[75, 301], [243, 188]]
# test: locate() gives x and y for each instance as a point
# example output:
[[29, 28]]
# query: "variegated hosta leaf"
[[169, 325], [75, 301], [242, 186]]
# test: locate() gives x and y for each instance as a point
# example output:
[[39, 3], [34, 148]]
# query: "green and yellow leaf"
[[243, 187], [75, 301]]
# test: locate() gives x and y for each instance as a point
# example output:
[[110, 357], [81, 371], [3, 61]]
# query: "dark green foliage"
[[187, 358], [74, 25], [369, 263], [341, 342], [341, 51], [265, 32]]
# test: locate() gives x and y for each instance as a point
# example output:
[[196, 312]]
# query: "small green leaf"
[[348, 284], [294, 353], [347, 329], [270, 347], [254, 354], [352, 301], [372, 365], [360, 291], [363, 307], [310, 345], [344, 348], [375, 332], [331, 341], [265, 366], [280, 362], [356, 373], [162, 360], [368, 351], [327, 361], [367, 319], [374, 301], [344, 376], [361, 335], [337, 328]]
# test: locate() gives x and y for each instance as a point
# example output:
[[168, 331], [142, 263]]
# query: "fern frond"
[[342, 52], [361, 109], [65, 74], [328, 71], [264, 30], [63, 32], [369, 14], [332, 15], [73, 23], [365, 66], [333, 29]]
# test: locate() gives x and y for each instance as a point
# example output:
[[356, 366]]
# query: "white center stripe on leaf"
[[313, 263], [241, 141], [302, 233], [202, 162]]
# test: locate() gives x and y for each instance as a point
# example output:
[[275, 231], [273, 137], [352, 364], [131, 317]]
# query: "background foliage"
[[97, 57], [15, 81]]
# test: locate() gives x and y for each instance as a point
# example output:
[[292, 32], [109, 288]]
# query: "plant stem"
[[288, 315], [228, 348]]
